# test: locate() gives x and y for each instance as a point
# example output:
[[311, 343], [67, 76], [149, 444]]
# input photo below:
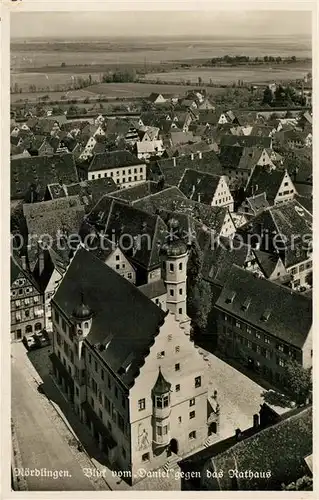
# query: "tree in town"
[[198, 291], [298, 381], [267, 96]]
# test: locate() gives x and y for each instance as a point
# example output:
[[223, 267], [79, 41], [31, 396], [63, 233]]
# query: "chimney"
[[24, 262], [256, 421], [238, 434]]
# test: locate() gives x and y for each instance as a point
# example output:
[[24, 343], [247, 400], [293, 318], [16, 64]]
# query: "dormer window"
[[265, 316], [230, 298]]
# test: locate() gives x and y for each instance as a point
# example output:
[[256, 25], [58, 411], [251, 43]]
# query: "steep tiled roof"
[[266, 261], [147, 230], [209, 162], [217, 261], [125, 322], [240, 157], [41, 171], [288, 314], [246, 141], [135, 193], [280, 448], [211, 217], [199, 186], [154, 202], [265, 181], [258, 202], [51, 217], [153, 289], [292, 222], [113, 159]]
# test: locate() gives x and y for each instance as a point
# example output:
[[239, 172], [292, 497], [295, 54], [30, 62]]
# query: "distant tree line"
[[236, 60]]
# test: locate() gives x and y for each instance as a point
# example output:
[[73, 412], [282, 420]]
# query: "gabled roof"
[[218, 260], [135, 193], [239, 157], [265, 181], [199, 186], [281, 448], [290, 220], [52, 261], [113, 159], [146, 230], [289, 314], [16, 270], [258, 202], [179, 137], [246, 141], [50, 218], [41, 171], [125, 322], [212, 217], [209, 162], [152, 203], [266, 261]]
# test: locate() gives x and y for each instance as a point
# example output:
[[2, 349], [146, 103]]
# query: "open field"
[[109, 90], [258, 74], [136, 50]]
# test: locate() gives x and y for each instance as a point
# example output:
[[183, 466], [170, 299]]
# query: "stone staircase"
[[172, 463]]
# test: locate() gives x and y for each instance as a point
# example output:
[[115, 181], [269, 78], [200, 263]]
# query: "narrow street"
[[43, 439]]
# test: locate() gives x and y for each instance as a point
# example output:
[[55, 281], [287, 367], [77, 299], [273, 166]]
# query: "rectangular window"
[[102, 374], [180, 266], [191, 414], [63, 325], [159, 430], [141, 404], [177, 388], [192, 435], [198, 381], [171, 292], [107, 404], [257, 335], [116, 392], [177, 367], [238, 325], [108, 382], [258, 350], [171, 267], [181, 291], [249, 344], [266, 340]]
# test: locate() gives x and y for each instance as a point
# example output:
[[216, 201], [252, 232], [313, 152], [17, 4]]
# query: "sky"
[[164, 24]]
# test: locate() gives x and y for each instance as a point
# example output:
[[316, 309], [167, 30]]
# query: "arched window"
[[28, 329], [86, 325], [37, 326]]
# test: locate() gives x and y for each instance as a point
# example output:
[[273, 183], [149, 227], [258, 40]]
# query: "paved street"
[[239, 396], [43, 439]]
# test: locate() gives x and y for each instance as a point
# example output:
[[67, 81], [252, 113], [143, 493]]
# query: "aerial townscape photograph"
[[161, 273]]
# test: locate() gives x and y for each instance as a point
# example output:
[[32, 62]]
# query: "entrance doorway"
[[212, 429], [174, 446]]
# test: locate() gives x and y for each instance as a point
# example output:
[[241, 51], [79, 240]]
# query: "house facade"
[[126, 170], [139, 418], [27, 308], [259, 327]]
